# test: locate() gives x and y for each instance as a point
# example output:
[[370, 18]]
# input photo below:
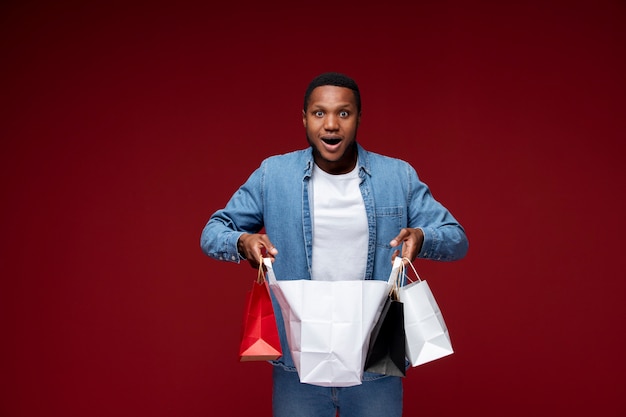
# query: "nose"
[[330, 122]]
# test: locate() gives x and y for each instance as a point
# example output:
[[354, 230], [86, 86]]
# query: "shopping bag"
[[427, 336], [387, 349], [259, 341], [328, 325]]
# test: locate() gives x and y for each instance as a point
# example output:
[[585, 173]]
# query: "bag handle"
[[405, 275], [395, 277], [270, 271], [260, 279]]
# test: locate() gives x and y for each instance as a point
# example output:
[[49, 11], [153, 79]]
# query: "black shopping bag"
[[387, 354]]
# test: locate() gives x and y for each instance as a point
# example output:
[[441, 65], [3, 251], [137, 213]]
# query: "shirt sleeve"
[[242, 214], [444, 237]]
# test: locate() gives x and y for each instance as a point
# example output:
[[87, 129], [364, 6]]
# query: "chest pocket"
[[389, 221]]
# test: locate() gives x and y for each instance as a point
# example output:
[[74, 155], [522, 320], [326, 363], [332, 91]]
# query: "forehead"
[[330, 95]]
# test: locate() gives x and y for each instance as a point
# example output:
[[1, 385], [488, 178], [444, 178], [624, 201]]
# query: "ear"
[[358, 120], [304, 118]]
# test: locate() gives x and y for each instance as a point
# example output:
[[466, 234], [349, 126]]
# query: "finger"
[[409, 251], [268, 246], [271, 251], [408, 256], [257, 251], [398, 239], [394, 255]]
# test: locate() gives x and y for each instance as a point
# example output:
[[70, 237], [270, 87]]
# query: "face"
[[331, 121]]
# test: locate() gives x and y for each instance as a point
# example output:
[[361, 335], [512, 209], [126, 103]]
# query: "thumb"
[[269, 246], [398, 239]]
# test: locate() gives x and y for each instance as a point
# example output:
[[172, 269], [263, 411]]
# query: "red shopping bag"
[[259, 341]]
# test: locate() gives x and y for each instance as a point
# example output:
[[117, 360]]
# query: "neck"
[[342, 166]]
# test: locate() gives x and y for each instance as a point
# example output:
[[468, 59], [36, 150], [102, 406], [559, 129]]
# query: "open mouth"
[[331, 141]]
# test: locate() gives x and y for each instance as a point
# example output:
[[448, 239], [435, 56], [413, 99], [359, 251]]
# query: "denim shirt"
[[276, 197]]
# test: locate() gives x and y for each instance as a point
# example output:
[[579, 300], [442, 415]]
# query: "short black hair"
[[335, 79]]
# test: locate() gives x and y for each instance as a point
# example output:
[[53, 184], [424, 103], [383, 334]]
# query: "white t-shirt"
[[340, 233]]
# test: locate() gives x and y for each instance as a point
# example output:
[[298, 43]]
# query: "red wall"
[[125, 126]]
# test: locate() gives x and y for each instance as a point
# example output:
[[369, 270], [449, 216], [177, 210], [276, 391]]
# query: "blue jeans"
[[376, 398]]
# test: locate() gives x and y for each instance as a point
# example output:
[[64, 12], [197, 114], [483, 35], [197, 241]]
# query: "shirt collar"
[[363, 161]]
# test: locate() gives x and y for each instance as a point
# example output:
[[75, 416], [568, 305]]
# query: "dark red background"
[[124, 126]]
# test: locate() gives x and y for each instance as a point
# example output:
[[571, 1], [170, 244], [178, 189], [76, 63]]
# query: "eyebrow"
[[341, 106]]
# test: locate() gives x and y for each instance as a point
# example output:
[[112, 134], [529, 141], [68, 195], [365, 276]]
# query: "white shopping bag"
[[427, 336], [328, 324]]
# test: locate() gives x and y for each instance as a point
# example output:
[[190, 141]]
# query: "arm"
[[231, 234], [433, 232]]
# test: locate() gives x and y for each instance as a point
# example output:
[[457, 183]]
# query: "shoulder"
[[287, 167], [286, 159], [378, 161]]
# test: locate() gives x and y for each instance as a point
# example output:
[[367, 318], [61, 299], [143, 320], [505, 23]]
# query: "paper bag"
[[387, 350], [328, 325], [426, 333], [259, 341]]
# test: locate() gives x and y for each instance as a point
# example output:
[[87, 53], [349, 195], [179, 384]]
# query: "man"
[[332, 211]]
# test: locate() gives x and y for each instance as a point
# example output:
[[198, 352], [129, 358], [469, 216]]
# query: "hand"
[[253, 246], [411, 240]]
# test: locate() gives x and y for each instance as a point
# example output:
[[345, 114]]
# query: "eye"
[[343, 114], [318, 113]]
